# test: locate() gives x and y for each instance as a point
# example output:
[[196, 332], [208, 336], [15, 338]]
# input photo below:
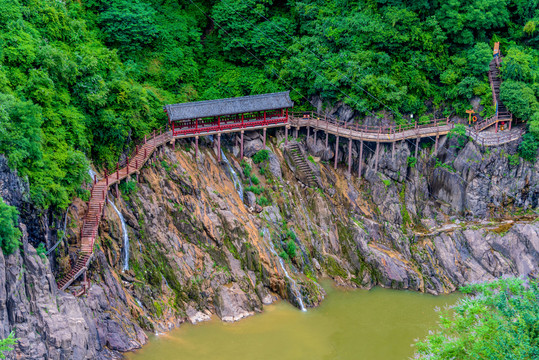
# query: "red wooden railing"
[[98, 198]]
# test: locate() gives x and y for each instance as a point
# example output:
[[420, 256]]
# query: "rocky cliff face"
[[206, 239]]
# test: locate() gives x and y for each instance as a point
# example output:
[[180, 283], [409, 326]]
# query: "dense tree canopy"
[[500, 321], [83, 79]]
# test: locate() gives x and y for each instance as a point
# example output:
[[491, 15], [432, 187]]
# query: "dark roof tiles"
[[238, 105]]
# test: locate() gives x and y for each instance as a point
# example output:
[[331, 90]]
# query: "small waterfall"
[[125, 235], [93, 174], [281, 262], [235, 178]]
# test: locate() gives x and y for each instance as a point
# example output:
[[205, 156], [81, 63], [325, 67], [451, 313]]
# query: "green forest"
[[81, 80]]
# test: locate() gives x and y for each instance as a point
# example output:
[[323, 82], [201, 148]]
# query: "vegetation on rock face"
[[9, 228], [83, 79], [500, 321], [6, 344], [459, 132], [261, 156]]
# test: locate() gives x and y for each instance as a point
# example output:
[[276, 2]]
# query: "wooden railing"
[[98, 199], [230, 125], [357, 131], [397, 133]]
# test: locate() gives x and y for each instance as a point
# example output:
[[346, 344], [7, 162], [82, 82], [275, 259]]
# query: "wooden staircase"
[[301, 164], [97, 203], [502, 114]]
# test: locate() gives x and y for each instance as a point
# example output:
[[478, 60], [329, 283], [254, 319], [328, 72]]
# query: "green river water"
[[379, 324]]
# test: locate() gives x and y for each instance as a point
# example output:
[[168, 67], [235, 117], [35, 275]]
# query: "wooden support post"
[[376, 155], [196, 146], [327, 138], [496, 127], [127, 162], [510, 121], [117, 191], [241, 145], [286, 135], [137, 175], [350, 156], [297, 131], [416, 146], [315, 131], [308, 132], [393, 151], [336, 152], [360, 158], [117, 171], [264, 131], [436, 143], [219, 147]]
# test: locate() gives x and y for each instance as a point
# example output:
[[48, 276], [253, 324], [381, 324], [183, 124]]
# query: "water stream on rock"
[[292, 281], [380, 324], [235, 179], [125, 236]]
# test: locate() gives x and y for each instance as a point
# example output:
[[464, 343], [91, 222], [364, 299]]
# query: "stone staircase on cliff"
[[97, 202], [302, 167]]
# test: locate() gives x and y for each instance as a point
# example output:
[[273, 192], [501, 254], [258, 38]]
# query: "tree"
[[519, 98], [130, 25], [500, 321], [9, 228], [528, 147]]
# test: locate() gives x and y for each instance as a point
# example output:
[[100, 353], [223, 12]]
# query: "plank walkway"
[[97, 202], [391, 134]]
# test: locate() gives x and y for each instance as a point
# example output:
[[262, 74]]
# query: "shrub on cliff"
[[261, 156], [9, 230], [499, 321], [6, 344]]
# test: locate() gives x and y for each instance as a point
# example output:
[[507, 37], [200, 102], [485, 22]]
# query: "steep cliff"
[[228, 238]]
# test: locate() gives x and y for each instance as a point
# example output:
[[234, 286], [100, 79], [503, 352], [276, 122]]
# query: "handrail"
[[91, 220]]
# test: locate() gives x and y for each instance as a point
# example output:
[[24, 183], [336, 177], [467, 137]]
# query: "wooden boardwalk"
[[391, 134], [97, 203]]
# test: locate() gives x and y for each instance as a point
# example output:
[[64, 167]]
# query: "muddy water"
[[376, 324]]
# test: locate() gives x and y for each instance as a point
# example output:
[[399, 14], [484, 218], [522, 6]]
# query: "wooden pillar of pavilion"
[[241, 145], [336, 152], [308, 132], [286, 135], [219, 147], [350, 156], [376, 155], [196, 146], [393, 151], [360, 158], [264, 131], [496, 126], [436, 143]]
